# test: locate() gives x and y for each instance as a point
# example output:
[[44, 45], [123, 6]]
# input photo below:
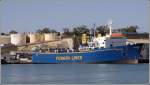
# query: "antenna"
[[94, 25], [110, 22]]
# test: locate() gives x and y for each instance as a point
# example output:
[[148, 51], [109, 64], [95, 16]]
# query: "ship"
[[102, 49]]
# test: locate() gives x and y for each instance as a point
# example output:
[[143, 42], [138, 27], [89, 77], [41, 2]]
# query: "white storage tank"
[[41, 37], [50, 36], [4, 39], [55, 35], [18, 39], [69, 42], [33, 37]]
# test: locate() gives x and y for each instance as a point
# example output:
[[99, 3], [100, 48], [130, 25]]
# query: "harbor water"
[[75, 73]]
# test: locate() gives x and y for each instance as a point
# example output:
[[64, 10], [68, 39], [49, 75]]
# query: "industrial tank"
[[84, 40], [4, 39], [18, 39], [50, 36], [33, 37], [36, 37], [40, 37], [69, 42]]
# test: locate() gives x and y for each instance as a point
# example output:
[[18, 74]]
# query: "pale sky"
[[30, 15]]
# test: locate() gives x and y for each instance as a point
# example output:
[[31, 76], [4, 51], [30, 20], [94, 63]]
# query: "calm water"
[[75, 73]]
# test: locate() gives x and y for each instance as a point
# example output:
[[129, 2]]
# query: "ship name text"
[[69, 58]]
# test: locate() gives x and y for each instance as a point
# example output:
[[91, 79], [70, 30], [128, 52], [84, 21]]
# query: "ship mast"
[[94, 25], [110, 27], [92, 32]]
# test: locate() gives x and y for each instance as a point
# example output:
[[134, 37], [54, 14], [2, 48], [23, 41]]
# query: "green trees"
[[102, 30], [2, 33], [13, 32], [67, 32], [78, 31], [132, 28], [128, 29], [46, 30]]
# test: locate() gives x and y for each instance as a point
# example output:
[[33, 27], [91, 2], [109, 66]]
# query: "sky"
[[30, 15]]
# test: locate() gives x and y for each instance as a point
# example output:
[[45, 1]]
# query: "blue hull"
[[98, 56]]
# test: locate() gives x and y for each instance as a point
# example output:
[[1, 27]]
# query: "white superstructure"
[[105, 41], [108, 41]]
